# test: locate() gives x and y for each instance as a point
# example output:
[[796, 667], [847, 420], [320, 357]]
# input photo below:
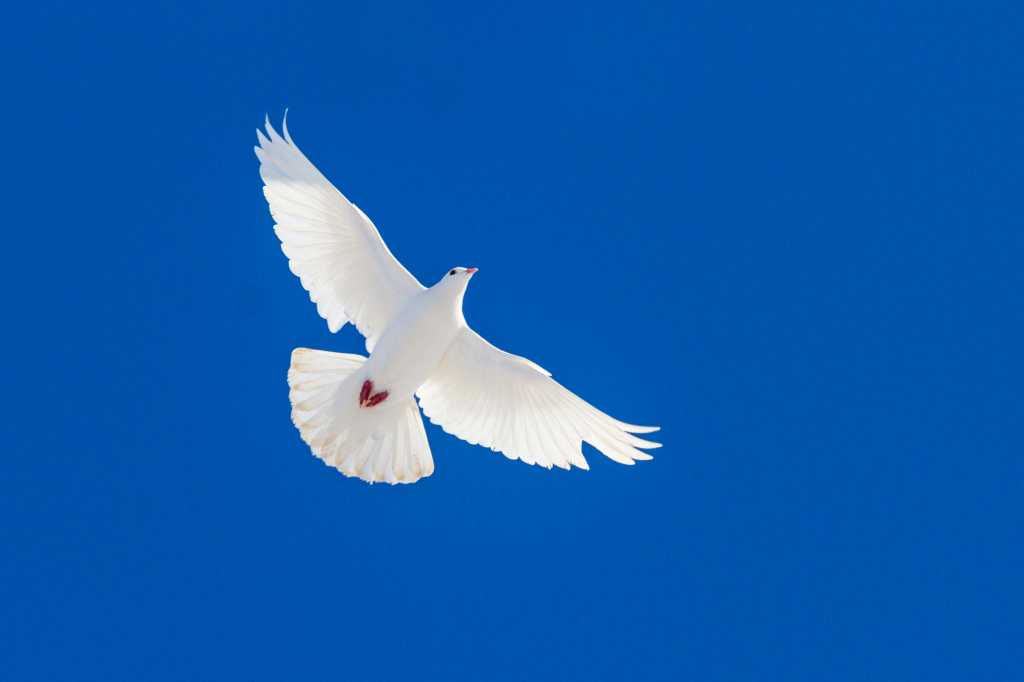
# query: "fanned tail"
[[375, 445]]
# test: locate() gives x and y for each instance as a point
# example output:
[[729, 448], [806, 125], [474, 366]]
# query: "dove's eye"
[[452, 272]]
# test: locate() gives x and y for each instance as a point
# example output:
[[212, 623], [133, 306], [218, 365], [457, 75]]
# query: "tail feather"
[[378, 445]]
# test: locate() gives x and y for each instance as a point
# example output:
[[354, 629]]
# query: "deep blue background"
[[789, 233]]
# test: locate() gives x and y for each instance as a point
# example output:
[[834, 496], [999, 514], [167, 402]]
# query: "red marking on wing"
[[377, 398], [364, 393]]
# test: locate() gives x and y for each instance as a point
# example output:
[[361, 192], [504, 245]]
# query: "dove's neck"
[[457, 307], [445, 303], [449, 304]]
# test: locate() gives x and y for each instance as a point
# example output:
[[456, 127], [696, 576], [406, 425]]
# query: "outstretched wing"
[[488, 397], [331, 245]]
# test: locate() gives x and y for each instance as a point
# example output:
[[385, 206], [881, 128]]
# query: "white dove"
[[359, 414]]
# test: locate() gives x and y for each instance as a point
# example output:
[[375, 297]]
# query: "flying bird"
[[359, 414]]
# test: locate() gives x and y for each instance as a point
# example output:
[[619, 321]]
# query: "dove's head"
[[457, 278], [454, 282]]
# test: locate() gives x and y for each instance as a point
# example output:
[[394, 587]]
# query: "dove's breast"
[[412, 346]]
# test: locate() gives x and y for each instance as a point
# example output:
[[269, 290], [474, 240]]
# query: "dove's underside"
[[359, 414]]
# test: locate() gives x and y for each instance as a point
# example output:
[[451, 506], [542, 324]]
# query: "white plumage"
[[359, 414]]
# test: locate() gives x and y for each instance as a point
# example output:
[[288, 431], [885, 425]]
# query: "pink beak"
[[471, 270]]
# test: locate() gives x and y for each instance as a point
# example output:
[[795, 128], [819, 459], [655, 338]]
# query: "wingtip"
[[644, 444], [284, 127], [271, 131], [634, 428]]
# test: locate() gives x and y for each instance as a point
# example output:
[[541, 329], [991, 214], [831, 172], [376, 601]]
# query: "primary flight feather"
[[359, 414]]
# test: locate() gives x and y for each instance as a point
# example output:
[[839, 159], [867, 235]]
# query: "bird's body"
[[360, 414], [412, 345]]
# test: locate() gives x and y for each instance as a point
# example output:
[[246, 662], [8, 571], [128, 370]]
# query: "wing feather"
[[332, 247], [511, 405]]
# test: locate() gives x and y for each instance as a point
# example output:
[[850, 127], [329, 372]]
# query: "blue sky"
[[789, 233]]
